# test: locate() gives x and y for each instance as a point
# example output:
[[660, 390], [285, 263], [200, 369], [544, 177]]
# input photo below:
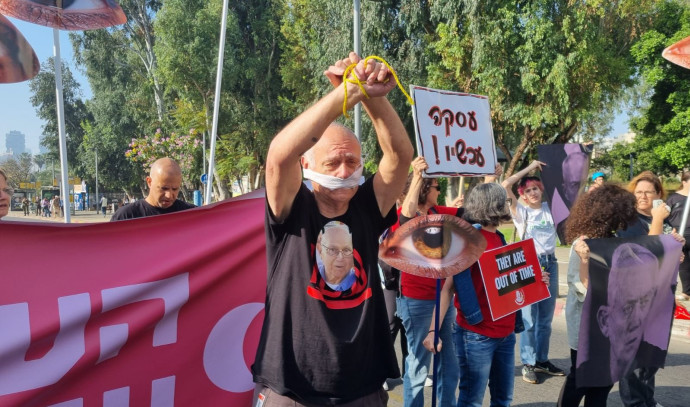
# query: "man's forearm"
[[391, 133]]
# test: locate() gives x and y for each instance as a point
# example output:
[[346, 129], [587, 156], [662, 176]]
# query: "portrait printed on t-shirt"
[[627, 314], [338, 277]]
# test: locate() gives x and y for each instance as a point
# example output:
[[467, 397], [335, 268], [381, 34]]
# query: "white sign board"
[[453, 132]]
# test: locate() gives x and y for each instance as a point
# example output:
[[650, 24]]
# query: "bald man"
[[164, 182]]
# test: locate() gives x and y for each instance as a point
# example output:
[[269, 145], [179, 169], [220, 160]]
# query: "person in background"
[[5, 194], [598, 179], [595, 215], [676, 201], [25, 206], [533, 220], [485, 348], [418, 298], [55, 206], [164, 181], [104, 205], [637, 387]]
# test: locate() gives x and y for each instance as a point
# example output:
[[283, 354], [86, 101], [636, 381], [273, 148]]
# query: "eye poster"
[[512, 278], [66, 14], [433, 246]]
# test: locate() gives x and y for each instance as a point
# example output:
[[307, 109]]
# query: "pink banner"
[[160, 311]]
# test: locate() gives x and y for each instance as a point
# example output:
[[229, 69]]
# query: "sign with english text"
[[512, 278], [453, 132], [147, 318]]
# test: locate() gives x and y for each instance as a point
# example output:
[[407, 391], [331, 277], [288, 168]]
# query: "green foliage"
[[548, 67], [43, 99], [183, 148], [663, 126]]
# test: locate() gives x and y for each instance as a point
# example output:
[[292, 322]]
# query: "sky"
[[17, 113]]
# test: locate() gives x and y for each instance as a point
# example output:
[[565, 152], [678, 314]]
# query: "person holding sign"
[[418, 298], [596, 215], [533, 220], [485, 348]]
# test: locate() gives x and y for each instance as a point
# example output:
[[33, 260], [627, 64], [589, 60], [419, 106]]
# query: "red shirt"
[[416, 287], [493, 329]]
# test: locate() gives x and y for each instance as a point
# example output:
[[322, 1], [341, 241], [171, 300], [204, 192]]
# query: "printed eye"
[[434, 246]]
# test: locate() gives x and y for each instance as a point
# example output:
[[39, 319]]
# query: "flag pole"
[[216, 104], [64, 185]]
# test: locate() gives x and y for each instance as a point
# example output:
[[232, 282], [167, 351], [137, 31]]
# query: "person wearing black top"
[[164, 182], [324, 343]]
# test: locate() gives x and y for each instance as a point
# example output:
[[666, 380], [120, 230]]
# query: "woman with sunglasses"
[[417, 299], [533, 220]]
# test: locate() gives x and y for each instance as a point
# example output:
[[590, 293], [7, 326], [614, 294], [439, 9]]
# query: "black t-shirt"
[[319, 345], [640, 227], [142, 209]]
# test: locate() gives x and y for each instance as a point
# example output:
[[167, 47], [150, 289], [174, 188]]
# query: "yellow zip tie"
[[359, 83]]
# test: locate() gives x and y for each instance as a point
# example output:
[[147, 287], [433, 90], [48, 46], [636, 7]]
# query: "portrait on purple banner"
[[568, 165], [66, 14], [628, 312], [18, 62]]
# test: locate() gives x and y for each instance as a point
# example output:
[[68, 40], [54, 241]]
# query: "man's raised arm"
[[397, 150], [283, 171]]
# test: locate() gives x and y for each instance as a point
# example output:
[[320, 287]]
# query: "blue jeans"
[[534, 341], [416, 318], [484, 360]]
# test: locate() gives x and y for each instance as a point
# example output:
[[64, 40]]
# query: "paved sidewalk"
[[77, 217]]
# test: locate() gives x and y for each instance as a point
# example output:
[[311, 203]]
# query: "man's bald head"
[[165, 166], [164, 182]]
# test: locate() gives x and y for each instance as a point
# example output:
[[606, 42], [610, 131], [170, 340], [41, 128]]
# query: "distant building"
[[15, 141]]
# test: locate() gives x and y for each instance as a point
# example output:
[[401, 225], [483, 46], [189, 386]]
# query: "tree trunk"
[[517, 155], [221, 185]]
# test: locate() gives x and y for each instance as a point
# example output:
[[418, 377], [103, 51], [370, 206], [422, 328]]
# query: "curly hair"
[[426, 186], [4, 175], [649, 177], [601, 213], [487, 205]]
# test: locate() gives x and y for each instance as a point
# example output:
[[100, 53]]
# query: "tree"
[[18, 169], [43, 99], [128, 96], [187, 48], [663, 126], [548, 67]]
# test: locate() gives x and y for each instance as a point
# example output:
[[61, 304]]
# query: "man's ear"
[[148, 182], [304, 162], [603, 320]]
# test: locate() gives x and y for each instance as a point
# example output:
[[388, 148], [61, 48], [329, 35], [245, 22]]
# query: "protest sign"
[[512, 278], [628, 311], [157, 311], [453, 132], [564, 178]]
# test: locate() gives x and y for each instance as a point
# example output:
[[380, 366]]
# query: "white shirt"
[[540, 227], [104, 202], [576, 297]]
